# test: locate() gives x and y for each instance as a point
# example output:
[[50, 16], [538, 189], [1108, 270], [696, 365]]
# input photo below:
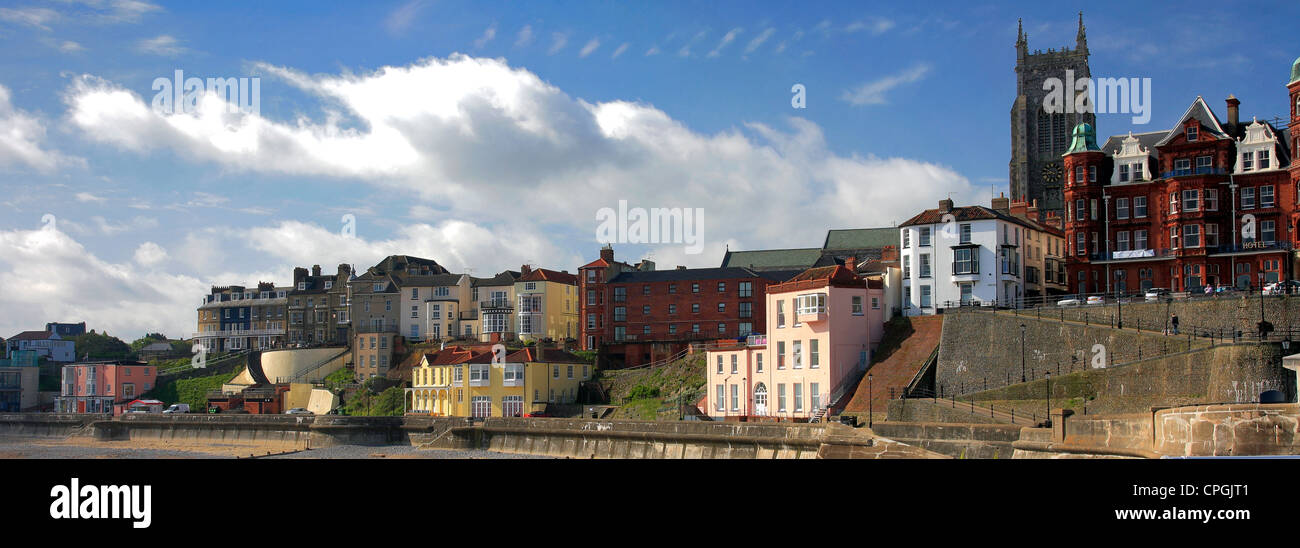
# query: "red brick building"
[[1204, 203], [636, 314]]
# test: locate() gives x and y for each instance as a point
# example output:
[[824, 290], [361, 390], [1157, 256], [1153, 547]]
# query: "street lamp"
[[871, 409], [1022, 352]]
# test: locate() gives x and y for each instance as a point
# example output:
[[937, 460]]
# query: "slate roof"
[[965, 213], [861, 238], [33, 336], [546, 275], [507, 277], [681, 275], [1146, 140], [772, 259], [1202, 112]]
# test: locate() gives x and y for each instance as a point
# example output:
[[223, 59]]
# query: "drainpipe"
[[1232, 272], [1105, 215]]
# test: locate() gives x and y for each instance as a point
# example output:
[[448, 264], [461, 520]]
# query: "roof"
[[822, 276], [1295, 71], [452, 355], [507, 277], [964, 213], [546, 275], [1202, 113], [770, 259], [1084, 139], [682, 274], [860, 238], [34, 336], [1147, 140], [426, 280]]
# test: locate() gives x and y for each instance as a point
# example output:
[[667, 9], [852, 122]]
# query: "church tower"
[[1039, 138]]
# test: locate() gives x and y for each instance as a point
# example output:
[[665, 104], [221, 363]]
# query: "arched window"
[[760, 399]]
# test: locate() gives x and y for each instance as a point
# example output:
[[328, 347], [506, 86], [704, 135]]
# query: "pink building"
[[822, 326], [93, 387]]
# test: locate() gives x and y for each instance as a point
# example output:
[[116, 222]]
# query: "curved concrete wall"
[[289, 362]]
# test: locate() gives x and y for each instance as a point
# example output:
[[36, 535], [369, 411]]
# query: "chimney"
[[889, 253], [524, 270], [851, 262], [1001, 204], [1032, 210], [299, 274], [680, 267], [607, 253], [343, 274], [945, 205], [315, 270], [1233, 113]]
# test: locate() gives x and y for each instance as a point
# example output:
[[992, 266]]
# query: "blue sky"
[[570, 106]]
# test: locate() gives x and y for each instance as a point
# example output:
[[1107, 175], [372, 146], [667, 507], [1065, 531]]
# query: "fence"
[[1006, 414]]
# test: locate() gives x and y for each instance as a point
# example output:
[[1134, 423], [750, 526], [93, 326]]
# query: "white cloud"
[[873, 93], [558, 41], [69, 46], [109, 228], [590, 47], [758, 40], [32, 17], [620, 50], [654, 50], [21, 140], [727, 39], [873, 25], [685, 50], [149, 254], [45, 275], [401, 18], [88, 197], [467, 131], [524, 37], [164, 45], [488, 35]]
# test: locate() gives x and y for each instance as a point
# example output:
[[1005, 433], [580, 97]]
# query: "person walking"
[[1173, 321]]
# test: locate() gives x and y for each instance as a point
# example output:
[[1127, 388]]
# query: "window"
[[1139, 207], [1248, 198], [1121, 241], [695, 288], [1078, 174], [1247, 161], [875, 303], [722, 328], [780, 398], [965, 261], [1123, 173], [1139, 239], [1267, 231], [1182, 166], [780, 355], [1211, 235], [925, 236], [735, 398], [758, 363], [746, 289], [812, 303], [965, 233], [1191, 200], [672, 289], [1092, 174], [591, 297], [1204, 164], [907, 238], [925, 265], [695, 308], [746, 310], [925, 296], [814, 357], [1173, 202], [591, 321], [695, 328], [645, 310], [620, 333], [1212, 199], [645, 290], [1121, 208], [721, 403], [797, 358], [620, 313], [798, 397], [645, 330], [907, 297], [1192, 235], [722, 307], [1173, 237], [1266, 196], [570, 371], [672, 309], [1263, 159], [734, 364], [1137, 172], [1080, 213], [907, 267], [1191, 133], [620, 294], [857, 305], [672, 329], [722, 287]]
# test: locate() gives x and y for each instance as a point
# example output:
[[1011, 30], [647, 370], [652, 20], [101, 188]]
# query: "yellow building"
[[464, 382], [548, 305]]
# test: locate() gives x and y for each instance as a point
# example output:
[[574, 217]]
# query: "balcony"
[[1194, 171], [1255, 246], [811, 315], [496, 306], [239, 333]]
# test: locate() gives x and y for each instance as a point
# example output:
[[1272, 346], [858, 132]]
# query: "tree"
[[147, 340], [97, 346]]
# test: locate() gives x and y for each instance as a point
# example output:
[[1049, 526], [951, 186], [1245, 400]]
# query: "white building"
[[953, 255]]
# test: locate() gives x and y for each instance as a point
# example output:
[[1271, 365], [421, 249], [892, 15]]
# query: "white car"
[[177, 408], [1071, 301], [1096, 299], [1154, 295]]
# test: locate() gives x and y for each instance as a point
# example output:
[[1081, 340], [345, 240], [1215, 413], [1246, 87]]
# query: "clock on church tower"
[[1052, 172]]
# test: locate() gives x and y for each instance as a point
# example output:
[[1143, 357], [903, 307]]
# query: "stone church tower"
[[1038, 137]]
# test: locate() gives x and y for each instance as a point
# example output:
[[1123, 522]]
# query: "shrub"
[[642, 391]]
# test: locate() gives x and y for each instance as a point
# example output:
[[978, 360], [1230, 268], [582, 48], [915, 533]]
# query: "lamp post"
[[871, 397], [1169, 301], [1022, 352]]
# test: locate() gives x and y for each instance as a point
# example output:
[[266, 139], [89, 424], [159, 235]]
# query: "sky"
[[487, 135]]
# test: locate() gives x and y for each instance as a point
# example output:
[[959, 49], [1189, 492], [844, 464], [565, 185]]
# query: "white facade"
[[976, 262]]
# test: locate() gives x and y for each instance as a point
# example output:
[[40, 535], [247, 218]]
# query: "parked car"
[[298, 411], [1281, 288], [1096, 299], [177, 408], [1155, 294], [1068, 301]]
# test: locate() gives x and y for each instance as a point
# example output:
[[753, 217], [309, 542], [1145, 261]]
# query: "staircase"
[[817, 417]]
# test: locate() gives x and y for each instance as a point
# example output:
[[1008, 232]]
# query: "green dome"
[[1085, 139], [1295, 70]]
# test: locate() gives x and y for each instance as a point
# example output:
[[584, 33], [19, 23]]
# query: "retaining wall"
[[970, 441], [1238, 312], [46, 424], [922, 410]]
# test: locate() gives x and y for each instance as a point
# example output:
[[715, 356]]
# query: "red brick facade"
[[1188, 233]]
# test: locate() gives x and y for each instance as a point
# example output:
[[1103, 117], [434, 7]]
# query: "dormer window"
[[1191, 133], [1263, 159], [1247, 161], [281, 294], [379, 287], [1123, 173], [302, 286], [1137, 172], [328, 284]]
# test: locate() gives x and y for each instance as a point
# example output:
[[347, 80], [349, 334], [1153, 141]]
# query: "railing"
[[662, 362], [1007, 414], [238, 333], [1194, 171], [496, 304], [1255, 246]]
